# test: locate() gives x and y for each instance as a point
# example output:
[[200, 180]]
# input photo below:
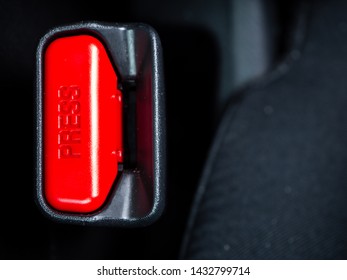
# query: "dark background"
[[213, 51]]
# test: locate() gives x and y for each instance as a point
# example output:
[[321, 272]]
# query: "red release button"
[[82, 123]]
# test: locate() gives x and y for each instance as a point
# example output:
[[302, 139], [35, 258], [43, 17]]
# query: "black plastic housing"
[[138, 195]]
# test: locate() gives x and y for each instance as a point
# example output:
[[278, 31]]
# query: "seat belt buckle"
[[100, 125]]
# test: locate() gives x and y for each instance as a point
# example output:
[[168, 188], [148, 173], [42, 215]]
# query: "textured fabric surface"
[[276, 183]]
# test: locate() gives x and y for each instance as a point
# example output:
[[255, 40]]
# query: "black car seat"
[[275, 183]]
